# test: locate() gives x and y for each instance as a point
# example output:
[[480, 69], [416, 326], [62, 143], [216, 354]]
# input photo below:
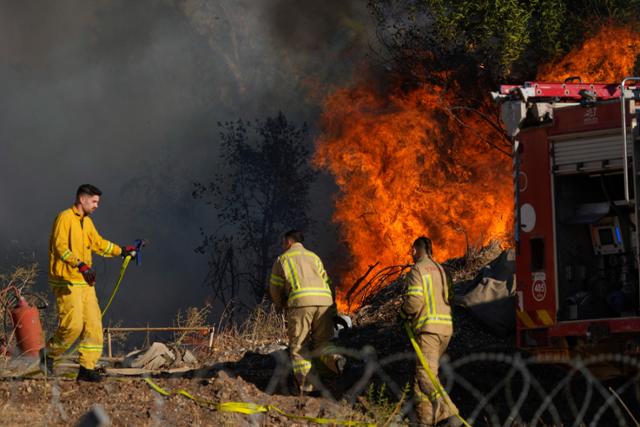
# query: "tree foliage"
[[487, 40], [262, 189]]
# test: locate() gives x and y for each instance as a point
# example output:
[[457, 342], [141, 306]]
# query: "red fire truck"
[[576, 175]]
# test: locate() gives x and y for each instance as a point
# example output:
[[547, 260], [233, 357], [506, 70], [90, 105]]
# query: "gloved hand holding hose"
[[129, 250], [87, 272]]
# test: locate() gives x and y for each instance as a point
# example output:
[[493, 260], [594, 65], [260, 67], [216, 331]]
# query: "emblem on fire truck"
[[527, 217], [539, 287]]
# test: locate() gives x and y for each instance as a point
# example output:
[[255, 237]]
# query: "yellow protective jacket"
[[73, 239], [426, 302], [298, 279]]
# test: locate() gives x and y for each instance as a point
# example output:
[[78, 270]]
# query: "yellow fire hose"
[[434, 380], [123, 268], [251, 408]]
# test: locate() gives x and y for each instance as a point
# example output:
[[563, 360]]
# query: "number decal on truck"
[[539, 287]]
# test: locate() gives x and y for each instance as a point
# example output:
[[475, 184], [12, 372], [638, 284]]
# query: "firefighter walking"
[[300, 285], [71, 277], [426, 307]]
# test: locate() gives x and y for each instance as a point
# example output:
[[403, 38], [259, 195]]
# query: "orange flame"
[[607, 57], [407, 167]]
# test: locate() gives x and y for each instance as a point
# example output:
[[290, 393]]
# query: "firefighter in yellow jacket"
[[426, 307], [299, 284], [71, 277]]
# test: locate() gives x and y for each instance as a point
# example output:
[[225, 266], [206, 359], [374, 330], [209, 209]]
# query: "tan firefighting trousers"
[[431, 407], [79, 316], [316, 324]]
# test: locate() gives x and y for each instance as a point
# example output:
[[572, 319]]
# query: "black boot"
[[88, 375], [46, 363]]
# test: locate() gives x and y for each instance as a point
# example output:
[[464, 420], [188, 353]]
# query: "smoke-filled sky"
[[126, 95]]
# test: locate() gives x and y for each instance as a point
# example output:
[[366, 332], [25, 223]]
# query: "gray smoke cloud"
[[313, 25], [126, 96]]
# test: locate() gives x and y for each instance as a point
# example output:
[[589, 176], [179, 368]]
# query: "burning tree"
[[620, 53], [262, 189]]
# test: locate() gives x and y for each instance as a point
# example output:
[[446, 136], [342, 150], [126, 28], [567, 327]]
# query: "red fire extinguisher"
[[27, 327]]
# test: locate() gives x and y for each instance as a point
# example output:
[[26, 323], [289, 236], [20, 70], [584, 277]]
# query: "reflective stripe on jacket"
[[426, 302], [298, 279], [73, 239]]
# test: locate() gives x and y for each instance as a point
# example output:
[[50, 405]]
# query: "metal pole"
[[625, 164], [623, 108], [211, 338], [109, 342], [204, 329]]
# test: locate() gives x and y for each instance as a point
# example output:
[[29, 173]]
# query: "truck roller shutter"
[[589, 154]]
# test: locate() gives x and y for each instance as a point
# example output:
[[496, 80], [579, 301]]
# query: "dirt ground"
[[131, 402]]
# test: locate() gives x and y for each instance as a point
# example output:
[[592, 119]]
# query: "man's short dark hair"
[[89, 190], [424, 243], [295, 235]]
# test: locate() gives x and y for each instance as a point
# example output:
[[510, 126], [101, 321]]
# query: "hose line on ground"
[[248, 408]]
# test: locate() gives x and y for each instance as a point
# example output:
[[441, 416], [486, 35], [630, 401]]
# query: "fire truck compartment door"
[[589, 154]]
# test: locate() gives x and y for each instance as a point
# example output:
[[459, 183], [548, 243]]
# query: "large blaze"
[[607, 57], [406, 167]]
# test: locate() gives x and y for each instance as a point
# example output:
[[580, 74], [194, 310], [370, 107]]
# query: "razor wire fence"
[[501, 389], [489, 388]]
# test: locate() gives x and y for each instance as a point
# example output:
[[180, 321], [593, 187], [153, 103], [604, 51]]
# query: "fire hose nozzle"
[[139, 244]]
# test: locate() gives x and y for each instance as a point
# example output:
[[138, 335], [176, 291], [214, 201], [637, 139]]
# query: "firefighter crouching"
[[73, 239], [426, 307], [300, 285]]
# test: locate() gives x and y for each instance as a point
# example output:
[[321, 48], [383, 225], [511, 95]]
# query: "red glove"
[[88, 273], [129, 250]]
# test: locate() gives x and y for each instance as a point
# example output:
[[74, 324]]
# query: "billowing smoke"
[[313, 25], [126, 96]]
